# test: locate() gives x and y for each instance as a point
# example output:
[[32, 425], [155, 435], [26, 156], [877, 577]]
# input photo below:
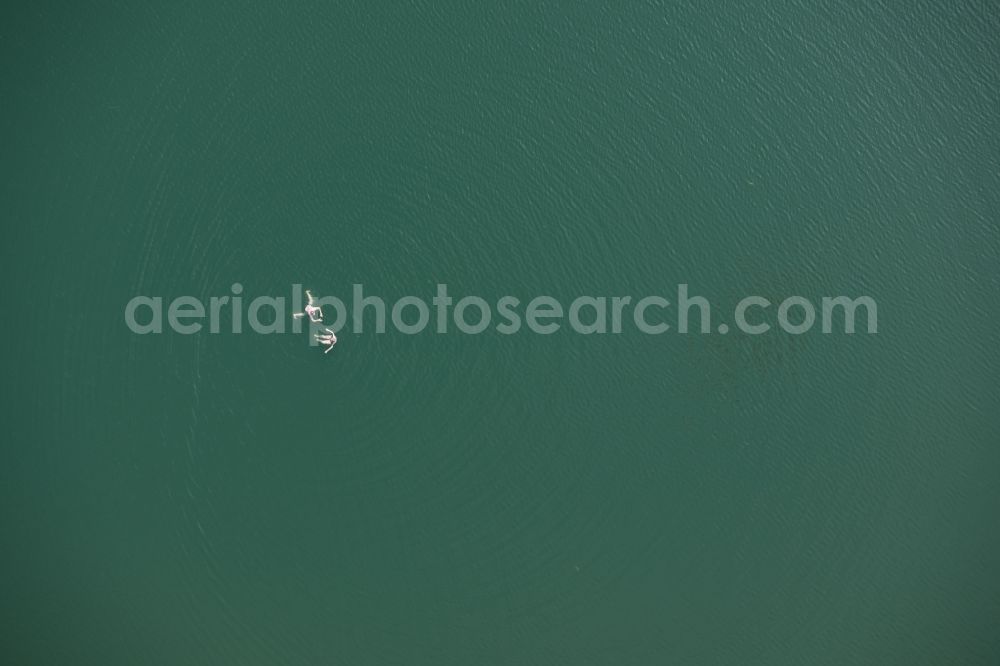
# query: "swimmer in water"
[[329, 340], [314, 311]]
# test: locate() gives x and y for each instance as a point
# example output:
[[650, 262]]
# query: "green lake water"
[[501, 499]]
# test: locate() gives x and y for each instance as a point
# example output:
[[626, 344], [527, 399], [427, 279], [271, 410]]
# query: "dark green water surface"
[[490, 499]]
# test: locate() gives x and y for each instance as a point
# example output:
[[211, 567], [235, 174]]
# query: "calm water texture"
[[494, 499]]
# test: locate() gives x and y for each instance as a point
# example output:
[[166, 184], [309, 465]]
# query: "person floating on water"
[[315, 312], [325, 339]]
